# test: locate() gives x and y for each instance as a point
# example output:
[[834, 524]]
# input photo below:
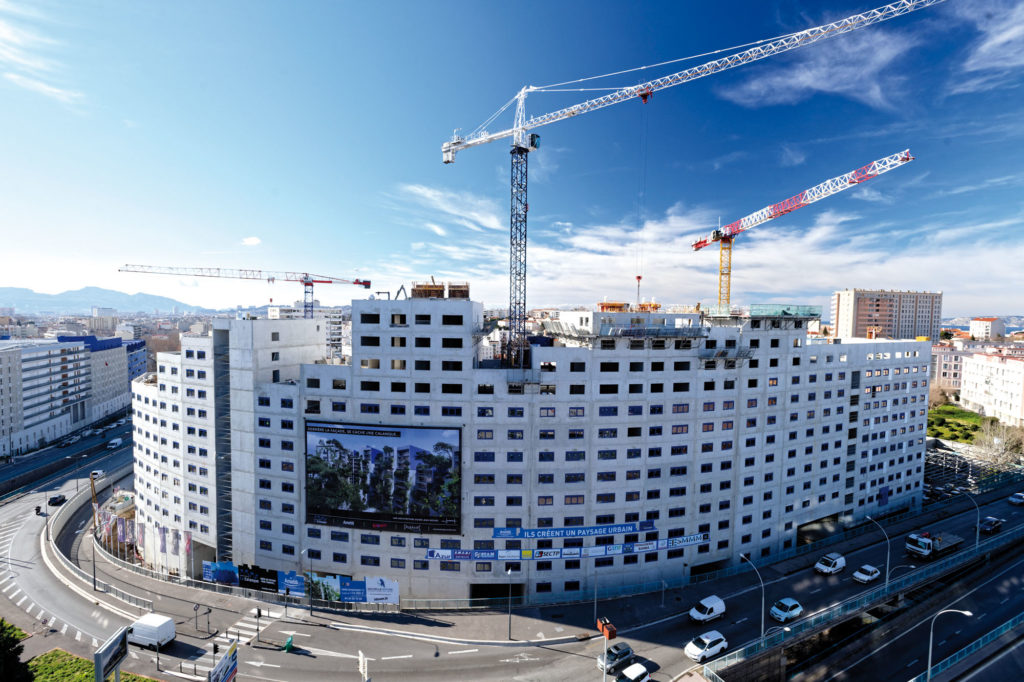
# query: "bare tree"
[[999, 443], [936, 396]]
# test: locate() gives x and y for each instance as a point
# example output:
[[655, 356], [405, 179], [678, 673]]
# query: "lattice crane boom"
[[725, 235], [524, 142], [307, 279]]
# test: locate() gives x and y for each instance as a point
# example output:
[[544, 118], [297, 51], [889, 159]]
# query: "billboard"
[[397, 478]]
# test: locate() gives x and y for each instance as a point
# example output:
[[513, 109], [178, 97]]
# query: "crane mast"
[[523, 143], [726, 235], [271, 276]]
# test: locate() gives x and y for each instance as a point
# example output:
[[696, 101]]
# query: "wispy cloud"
[[853, 66], [25, 59], [996, 58], [871, 194], [252, 241], [1014, 180], [436, 229], [732, 157], [791, 156], [457, 208]]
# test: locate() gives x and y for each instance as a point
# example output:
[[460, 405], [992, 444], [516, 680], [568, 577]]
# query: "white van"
[[152, 631], [708, 609], [115, 444]]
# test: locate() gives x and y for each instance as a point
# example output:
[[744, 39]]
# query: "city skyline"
[[309, 140]]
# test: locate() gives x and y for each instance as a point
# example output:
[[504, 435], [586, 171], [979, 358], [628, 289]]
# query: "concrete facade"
[[987, 329], [886, 314], [993, 385]]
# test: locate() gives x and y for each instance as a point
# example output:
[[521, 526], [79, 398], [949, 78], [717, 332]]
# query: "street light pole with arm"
[[977, 526], [888, 547], [931, 637], [747, 559]]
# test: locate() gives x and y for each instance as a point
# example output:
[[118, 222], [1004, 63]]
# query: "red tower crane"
[[307, 279]]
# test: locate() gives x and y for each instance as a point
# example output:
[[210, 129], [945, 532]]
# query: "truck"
[[152, 631], [926, 546]]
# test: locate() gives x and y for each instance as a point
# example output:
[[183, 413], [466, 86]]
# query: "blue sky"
[[306, 136]]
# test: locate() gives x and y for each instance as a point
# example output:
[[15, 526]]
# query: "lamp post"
[[509, 573], [977, 526], [310, 588], [747, 559], [931, 637], [595, 591], [888, 547]]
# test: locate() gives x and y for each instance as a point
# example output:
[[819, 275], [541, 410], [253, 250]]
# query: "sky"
[[306, 137]]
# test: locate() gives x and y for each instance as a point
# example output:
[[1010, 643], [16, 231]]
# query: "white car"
[[705, 646], [635, 673], [786, 609], [866, 574], [1017, 498]]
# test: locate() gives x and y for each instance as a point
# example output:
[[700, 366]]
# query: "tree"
[[999, 443], [12, 669], [946, 334], [936, 397]]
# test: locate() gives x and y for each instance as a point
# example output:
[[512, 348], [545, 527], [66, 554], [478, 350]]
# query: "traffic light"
[[216, 648], [259, 612]]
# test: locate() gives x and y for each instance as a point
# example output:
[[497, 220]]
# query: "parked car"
[[635, 673], [866, 574], [1017, 498], [619, 656], [705, 646], [990, 525], [64, 443], [830, 564], [97, 474], [74, 439], [786, 609], [707, 609], [56, 500]]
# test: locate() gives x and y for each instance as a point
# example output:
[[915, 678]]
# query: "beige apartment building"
[[875, 313]]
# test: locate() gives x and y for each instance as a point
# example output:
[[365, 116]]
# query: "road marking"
[[912, 662], [23, 598], [95, 642], [260, 664], [391, 658], [11, 585], [463, 651], [78, 635], [294, 633], [942, 642], [64, 629], [982, 615], [816, 591], [12, 596], [737, 622], [1004, 601]]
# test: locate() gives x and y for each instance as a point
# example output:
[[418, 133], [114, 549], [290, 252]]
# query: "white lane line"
[[391, 658], [64, 629], [133, 654], [12, 596], [816, 591], [23, 598], [95, 642], [912, 662], [942, 642], [982, 615], [78, 635], [463, 651], [1004, 601], [9, 586], [739, 621]]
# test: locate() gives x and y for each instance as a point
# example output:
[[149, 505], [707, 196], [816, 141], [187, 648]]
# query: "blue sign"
[[571, 531], [352, 591], [292, 581]]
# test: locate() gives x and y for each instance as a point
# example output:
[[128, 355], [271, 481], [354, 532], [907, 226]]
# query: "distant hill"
[[1008, 320], [82, 300]]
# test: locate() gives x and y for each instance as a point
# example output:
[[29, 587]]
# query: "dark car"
[[57, 500], [990, 525]]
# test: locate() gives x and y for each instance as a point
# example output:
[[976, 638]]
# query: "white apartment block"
[[993, 385], [947, 366], [337, 327], [886, 314], [678, 441], [44, 388], [987, 329]]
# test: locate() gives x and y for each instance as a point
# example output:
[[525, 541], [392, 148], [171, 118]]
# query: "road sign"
[[108, 657], [227, 667]]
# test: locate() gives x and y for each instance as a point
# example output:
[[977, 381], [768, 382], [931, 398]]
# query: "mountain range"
[[81, 301]]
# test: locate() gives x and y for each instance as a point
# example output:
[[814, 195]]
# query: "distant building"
[[104, 312], [337, 327], [870, 313], [987, 328], [947, 367], [129, 330], [993, 385]]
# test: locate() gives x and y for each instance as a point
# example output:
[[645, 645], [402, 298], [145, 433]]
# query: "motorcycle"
[[39, 510]]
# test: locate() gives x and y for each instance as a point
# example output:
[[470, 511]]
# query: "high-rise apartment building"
[[634, 447], [864, 313]]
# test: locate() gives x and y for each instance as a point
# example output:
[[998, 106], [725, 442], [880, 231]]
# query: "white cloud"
[[791, 157], [853, 65], [996, 57], [472, 212], [871, 194], [718, 162], [436, 229], [24, 54], [251, 241]]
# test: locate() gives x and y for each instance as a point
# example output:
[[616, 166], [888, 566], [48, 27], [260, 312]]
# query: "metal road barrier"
[[860, 602], [972, 648], [60, 520]]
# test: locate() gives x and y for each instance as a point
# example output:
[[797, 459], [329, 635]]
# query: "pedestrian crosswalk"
[[244, 630]]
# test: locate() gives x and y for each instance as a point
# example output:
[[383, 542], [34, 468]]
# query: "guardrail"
[[973, 647], [60, 520], [859, 602]]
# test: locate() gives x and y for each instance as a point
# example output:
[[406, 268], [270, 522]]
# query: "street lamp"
[[887, 549], [310, 589], [977, 526], [931, 637], [747, 559], [903, 566], [509, 573]]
